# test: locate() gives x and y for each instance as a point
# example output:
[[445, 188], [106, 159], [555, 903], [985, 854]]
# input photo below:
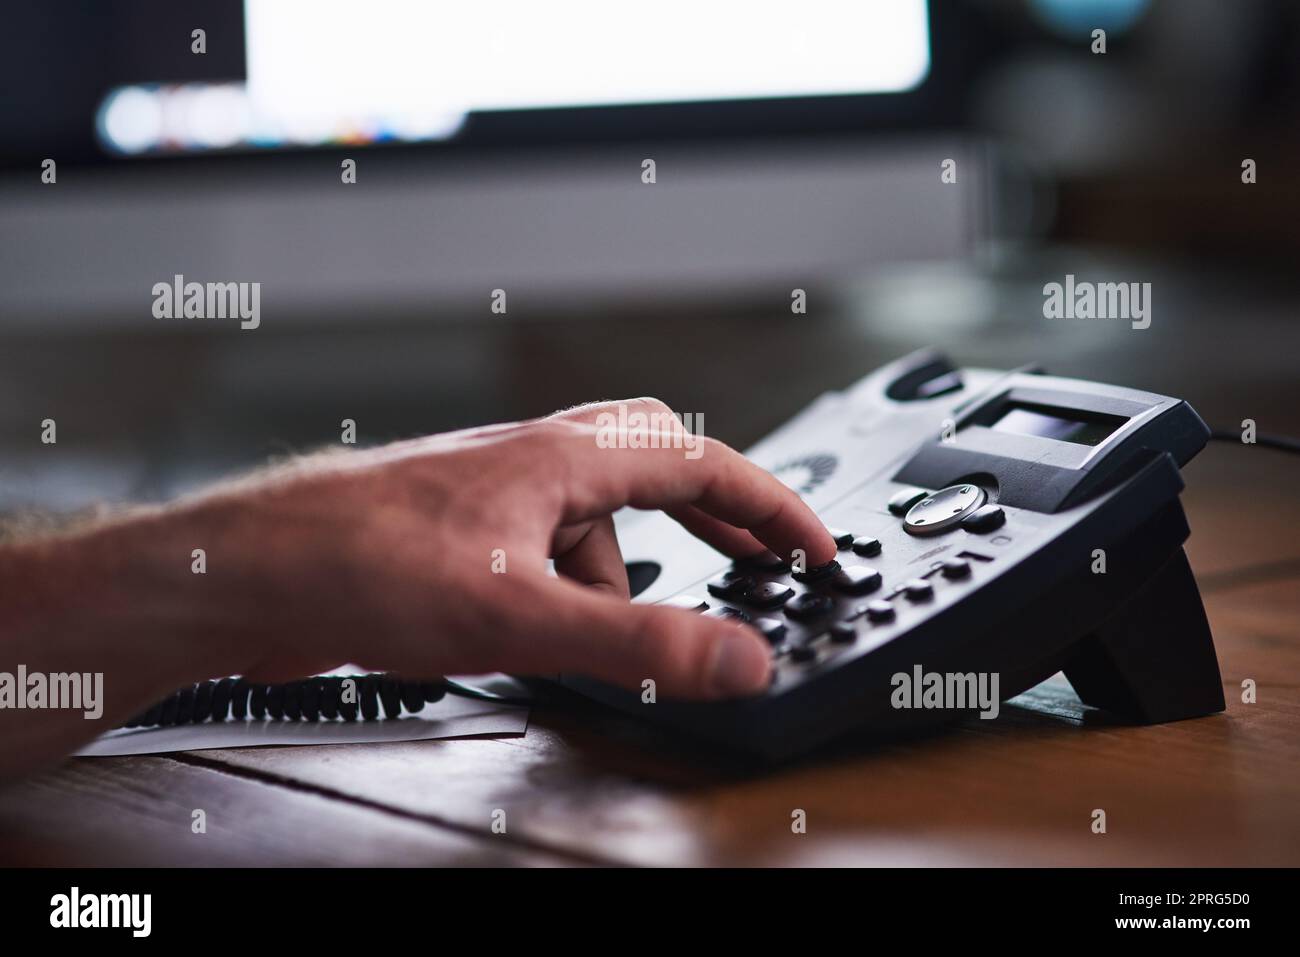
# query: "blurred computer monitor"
[[497, 144]]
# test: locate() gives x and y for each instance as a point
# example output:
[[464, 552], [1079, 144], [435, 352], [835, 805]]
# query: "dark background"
[[1127, 168]]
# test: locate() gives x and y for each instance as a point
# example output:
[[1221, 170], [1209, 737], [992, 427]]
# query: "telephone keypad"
[[809, 618], [816, 622]]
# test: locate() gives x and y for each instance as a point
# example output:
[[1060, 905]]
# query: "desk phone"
[[1008, 523]]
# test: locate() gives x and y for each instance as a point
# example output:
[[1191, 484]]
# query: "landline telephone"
[[1005, 523], [989, 523]]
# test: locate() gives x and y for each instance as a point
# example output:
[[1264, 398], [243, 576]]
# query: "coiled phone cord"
[[308, 700]]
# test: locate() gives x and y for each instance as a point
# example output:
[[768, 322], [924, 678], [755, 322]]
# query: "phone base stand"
[[1153, 660]]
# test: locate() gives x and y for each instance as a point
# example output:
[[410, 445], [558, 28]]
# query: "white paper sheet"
[[452, 717]]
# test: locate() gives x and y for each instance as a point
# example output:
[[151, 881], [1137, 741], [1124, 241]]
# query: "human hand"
[[429, 557], [424, 557]]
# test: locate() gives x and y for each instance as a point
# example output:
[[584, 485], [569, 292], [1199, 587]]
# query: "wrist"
[[120, 599]]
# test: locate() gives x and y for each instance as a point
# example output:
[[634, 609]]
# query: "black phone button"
[[817, 573], [900, 502], [730, 586], [918, 589], [842, 538], [808, 606], [984, 519], [856, 580], [773, 629], [804, 653], [880, 610], [769, 594], [842, 633], [866, 546], [956, 568]]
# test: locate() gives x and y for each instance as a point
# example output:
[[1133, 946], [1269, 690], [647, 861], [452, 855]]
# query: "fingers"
[[731, 541], [591, 557], [613, 461], [571, 629]]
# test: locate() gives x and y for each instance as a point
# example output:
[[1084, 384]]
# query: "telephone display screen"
[[1064, 425]]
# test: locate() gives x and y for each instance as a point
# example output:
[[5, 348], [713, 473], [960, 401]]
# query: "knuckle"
[[553, 432], [547, 443]]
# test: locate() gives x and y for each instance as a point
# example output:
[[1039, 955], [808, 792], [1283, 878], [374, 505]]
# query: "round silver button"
[[943, 510]]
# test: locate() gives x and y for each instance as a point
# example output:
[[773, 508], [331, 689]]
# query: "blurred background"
[[501, 145]]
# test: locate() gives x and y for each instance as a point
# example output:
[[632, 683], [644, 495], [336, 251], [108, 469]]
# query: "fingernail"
[[740, 665]]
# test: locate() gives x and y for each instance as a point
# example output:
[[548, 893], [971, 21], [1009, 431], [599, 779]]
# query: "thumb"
[[686, 654]]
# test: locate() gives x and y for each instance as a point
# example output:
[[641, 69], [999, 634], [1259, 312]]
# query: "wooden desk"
[[585, 786]]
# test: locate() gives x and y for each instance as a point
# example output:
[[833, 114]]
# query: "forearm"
[[118, 600]]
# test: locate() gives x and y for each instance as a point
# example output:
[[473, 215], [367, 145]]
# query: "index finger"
[[608, 469]]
